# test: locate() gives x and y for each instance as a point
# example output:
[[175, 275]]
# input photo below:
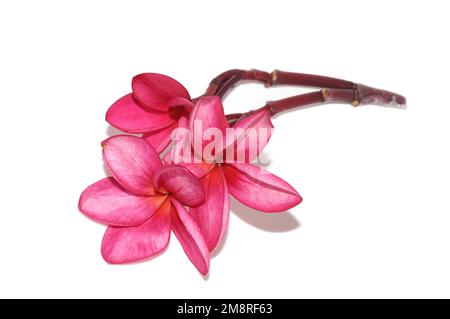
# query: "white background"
[[375, 221]]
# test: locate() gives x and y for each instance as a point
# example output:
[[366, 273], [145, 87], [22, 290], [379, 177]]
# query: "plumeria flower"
[[142, 202], [154, 108], [224, 175]]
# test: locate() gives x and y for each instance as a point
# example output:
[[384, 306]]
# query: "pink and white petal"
[[251, 135], [154, 91], [190, 236], [207, 115], [127, 115], [132, 161], [259, 189], [212, 216], [181, 184], [127, 244], [107, 202], [160, 139]]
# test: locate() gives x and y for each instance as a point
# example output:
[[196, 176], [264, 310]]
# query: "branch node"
[[274, 75], [356, 100]]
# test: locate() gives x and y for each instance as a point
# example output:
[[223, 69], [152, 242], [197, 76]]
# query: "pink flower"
[[142, 202], [251, 185], [154, 108]]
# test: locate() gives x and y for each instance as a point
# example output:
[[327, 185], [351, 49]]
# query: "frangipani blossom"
[[142, 202], [251, 185], [154, 108]]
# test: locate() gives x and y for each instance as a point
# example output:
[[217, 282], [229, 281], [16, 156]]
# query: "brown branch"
[[333, 90], [360, 95]]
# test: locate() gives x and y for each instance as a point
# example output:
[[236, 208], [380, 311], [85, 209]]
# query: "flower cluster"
[[178, 175], [188, 191]]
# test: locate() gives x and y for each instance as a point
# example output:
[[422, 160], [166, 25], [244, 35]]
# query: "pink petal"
[[181, 103], [198, 169], [194, 164], [190, 237], [128, 244], [212, 216], [132, 162], [127, 115], [183, 122], [181, 151], [160, 139], [190, 161], [181, 184], [253, 133], [154, 91], [259, 189], [107, 202], [207, 115]]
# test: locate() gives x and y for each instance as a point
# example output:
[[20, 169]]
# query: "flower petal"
[[208, 117], [198, 169], [259, 189], [190, 237], [212, 216], [160, 139], [132, 161], [154, 91], [183, 155], [181, 184], [181, 103], [127, 115], [107, 202], [128, 244], [251, 135]]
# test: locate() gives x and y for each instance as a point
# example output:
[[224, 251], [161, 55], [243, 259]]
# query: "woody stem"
[[359, 96], [225, 81], [333, 90]]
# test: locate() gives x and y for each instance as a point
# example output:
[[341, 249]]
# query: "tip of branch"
[[397, 105], [369, 95]]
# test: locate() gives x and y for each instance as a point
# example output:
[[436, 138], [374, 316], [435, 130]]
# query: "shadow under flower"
[[270, 222], [111, 131]]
